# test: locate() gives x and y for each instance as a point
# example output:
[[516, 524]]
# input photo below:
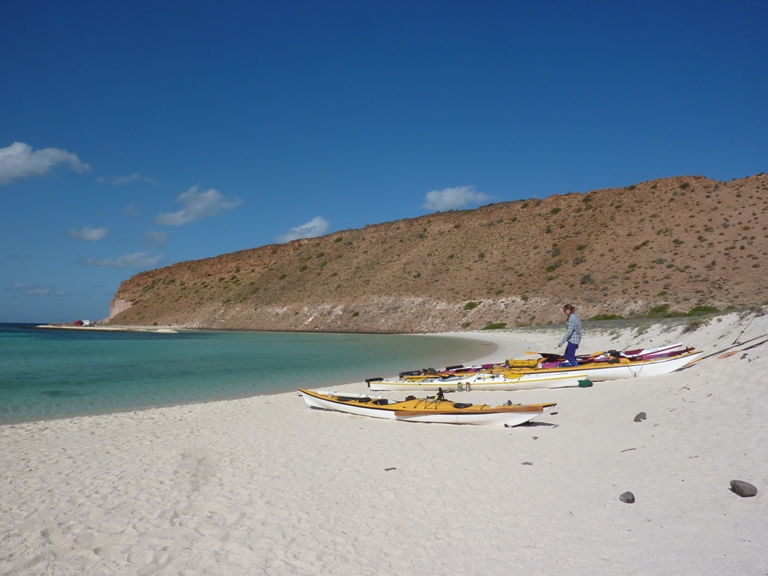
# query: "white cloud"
[[452, 198], [36, 289], [32, 289], [312, 229], [155, 239], [19, 161], [208, 203], [135, 177], [88, 233], [135, 260]]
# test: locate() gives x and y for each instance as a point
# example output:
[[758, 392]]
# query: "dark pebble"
[[627, 497], [527, 463], [640, 417], [743, 489]]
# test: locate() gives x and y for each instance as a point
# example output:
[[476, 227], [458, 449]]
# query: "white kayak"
[[431, 410]]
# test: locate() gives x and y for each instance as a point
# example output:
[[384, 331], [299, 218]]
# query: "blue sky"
[[138, 134]]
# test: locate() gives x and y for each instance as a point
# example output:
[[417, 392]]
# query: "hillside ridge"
[[684, 241]]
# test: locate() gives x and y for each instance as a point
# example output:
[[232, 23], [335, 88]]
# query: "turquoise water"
[[55, 373]]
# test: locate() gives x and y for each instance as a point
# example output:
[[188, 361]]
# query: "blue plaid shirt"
[[573, 330]]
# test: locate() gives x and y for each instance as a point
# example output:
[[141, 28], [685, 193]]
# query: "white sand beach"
[[266, 485]]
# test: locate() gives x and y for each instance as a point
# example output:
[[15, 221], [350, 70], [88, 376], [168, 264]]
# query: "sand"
[[266, 485]]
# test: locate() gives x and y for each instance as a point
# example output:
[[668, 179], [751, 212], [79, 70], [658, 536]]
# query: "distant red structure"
[[77, 323]]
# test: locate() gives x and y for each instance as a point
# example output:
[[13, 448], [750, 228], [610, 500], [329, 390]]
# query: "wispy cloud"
[[124, 180], [35, 289], [19, 161], [312, 229], [88, 233], [132, 209], [452, 198], [202, 205], [155, 239], [135, 260]]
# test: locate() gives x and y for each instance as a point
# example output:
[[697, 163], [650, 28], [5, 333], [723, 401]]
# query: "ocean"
[[59, 373]]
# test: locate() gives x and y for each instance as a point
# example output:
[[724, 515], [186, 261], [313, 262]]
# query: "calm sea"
[[55, 373]]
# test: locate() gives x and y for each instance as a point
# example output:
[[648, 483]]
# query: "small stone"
[[640, 417], [527, 463], [627, 498], [743, 489]]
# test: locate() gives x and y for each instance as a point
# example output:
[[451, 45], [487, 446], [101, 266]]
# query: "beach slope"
[[266, 485]]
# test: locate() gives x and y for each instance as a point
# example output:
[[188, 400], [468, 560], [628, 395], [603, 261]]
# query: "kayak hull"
[[482, 381], [510, 379], [428, 410]]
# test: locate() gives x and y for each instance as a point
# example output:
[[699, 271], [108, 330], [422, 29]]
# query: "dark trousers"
[[570, 353]]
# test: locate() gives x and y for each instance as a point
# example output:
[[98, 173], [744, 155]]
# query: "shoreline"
[[341, 380], [266, 484]]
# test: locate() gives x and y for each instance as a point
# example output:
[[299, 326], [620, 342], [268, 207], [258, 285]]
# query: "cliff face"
[[682, 241]]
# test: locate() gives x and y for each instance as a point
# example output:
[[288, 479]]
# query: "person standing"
[[572, 335]]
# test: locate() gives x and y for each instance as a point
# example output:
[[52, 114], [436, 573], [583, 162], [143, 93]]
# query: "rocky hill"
[[681, 242]]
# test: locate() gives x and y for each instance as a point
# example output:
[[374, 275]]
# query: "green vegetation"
[[586, 279], [466, 324], [470, 305], [694, 325], [524, 297], [355, 314], [283, 277], [496, 326], [699, 310], [607, 317], [553, 267], [554, 211], [663, 311], [660, 311]]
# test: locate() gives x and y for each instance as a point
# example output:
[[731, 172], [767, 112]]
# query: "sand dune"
[[266, 485]]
